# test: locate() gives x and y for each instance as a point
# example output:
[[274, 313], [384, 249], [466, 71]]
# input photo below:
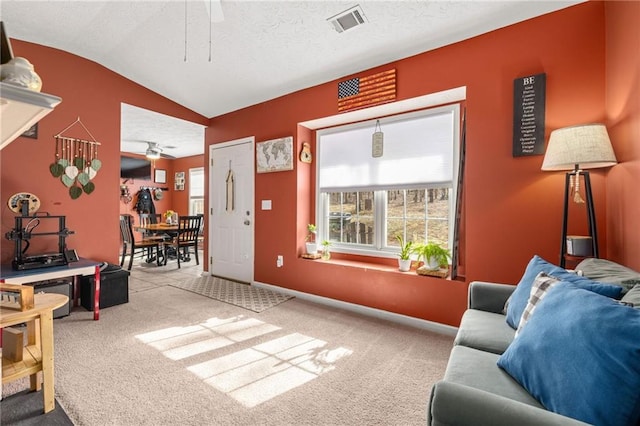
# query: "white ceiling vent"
[[348, 19]]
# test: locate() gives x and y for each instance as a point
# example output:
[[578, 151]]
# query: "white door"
[[231, 209]]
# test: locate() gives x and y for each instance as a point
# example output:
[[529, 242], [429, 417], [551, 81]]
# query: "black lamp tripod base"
[[591, 215]]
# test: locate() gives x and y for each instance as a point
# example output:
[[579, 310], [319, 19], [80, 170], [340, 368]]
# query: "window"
[[196, 191], [364, 202]]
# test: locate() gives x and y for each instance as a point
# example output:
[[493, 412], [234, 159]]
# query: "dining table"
[[158, 227], [169, 229]]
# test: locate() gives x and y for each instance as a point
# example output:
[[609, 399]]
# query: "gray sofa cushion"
[[453, 404], [606, 271], [479, 370], [633, 296], [485, 331]]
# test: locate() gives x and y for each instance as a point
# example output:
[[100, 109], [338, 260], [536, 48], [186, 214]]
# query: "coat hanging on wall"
[[145, 202], [76, 162]]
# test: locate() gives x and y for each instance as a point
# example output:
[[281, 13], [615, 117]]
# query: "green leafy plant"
[[326, 254], [311, 236], [406, 248], [432, 254]]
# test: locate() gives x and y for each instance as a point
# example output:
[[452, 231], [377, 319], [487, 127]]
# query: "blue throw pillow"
[[520, 296], [579, 356]]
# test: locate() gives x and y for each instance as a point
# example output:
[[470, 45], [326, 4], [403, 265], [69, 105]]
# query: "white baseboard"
[[365, 310]]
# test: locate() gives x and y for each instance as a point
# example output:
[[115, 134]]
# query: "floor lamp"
[[576, 148]]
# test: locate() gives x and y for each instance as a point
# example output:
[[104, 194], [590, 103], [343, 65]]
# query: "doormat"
[[239, 294]]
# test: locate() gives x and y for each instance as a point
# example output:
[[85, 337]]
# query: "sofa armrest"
[[489, 297], [456, 404]]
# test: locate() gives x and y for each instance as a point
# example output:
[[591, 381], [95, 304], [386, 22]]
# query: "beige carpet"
[[240, 294], [171, 357]]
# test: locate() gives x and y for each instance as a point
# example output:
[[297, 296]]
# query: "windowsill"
[[377, 264]]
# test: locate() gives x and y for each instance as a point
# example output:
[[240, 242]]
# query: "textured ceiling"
[[260, 49]]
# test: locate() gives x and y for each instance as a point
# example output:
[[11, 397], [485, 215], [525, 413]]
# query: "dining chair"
[[188, 232], [131, 246], [150, 219]]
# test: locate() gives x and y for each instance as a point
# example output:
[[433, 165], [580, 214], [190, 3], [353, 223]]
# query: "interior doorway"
[[231, 216]]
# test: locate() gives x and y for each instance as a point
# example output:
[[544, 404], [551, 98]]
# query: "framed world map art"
[[275, 155]]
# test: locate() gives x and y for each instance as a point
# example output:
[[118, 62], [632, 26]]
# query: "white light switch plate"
[[266, 204]]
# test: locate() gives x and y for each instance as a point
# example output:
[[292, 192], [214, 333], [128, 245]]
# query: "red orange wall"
[[623, 121], [92, 93], [513, 209], [181, 198]]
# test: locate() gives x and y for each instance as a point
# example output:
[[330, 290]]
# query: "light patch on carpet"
[[239, 294], [178, 343], [250, 376], [253, 376]]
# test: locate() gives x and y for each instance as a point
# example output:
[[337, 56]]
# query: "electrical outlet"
[[280, 261]]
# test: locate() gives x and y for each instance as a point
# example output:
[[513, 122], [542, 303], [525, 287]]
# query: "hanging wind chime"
[[76, 162]]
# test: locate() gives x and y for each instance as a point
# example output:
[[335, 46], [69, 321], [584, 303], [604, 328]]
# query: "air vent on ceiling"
[[348, 19]]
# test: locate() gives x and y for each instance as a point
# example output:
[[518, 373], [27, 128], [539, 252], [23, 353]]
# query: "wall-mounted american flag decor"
[[361, 92]]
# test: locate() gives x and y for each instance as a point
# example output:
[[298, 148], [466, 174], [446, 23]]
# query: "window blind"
[[418, 152]]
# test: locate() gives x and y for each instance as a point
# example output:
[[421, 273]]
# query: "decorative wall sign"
[[178, 184], [377, 141], [529, 95], [275, 155], [305, 154], [160, 176], [364, 92]]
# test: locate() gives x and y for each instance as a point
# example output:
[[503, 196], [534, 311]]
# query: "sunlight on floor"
[[250, 376], [183, 342]]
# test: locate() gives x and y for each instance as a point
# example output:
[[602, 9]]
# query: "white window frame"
[[193, 198], [380, 249]]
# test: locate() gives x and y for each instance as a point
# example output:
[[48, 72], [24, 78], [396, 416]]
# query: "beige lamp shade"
[[587, 146]]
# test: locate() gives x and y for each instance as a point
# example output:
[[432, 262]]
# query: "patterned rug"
[[239, 294]]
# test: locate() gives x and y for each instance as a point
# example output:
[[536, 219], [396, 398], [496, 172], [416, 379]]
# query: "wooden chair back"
[[126, 228], [188, 229]]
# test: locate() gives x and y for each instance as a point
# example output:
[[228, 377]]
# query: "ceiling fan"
[[155, 150]]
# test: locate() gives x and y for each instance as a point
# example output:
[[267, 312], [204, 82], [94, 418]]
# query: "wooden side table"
[[38, 351]]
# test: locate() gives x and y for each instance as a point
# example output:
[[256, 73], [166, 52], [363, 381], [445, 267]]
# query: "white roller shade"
[[418, 152]]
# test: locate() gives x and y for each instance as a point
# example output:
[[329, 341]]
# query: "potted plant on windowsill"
[[404, 259], [311, 245], [326, 254], [433, 254]]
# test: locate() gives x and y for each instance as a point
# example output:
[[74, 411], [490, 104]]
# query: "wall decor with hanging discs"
[[76, 162]]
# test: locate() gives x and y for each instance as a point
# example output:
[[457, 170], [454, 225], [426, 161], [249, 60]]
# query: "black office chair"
[[131, 246], [188, 232]]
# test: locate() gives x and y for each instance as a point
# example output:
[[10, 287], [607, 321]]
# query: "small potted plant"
[[404, 260], [433, 255], [312, 247], [326, 254], [169, 216]]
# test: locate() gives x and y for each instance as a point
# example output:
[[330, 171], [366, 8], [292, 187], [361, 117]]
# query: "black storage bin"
[[114, 287], [62, 286]]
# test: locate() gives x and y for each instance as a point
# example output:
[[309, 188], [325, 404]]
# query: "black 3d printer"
[[26, 227]]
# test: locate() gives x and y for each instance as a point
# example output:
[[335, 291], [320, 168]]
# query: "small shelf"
[[20, 109], [31, 363]]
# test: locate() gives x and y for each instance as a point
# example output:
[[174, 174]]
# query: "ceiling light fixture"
[[152, 154], [348, 19]]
